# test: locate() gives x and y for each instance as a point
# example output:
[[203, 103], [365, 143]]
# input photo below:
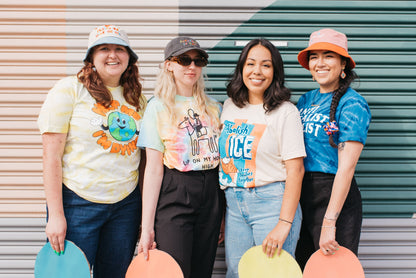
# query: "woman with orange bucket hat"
[[336, 120]]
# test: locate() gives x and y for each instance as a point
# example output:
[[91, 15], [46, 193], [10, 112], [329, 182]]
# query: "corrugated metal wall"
[[32, 57], [42, 41], [382, 40]]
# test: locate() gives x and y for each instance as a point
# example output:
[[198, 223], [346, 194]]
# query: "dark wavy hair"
[[276, 94], [130, 81], [344, 84]]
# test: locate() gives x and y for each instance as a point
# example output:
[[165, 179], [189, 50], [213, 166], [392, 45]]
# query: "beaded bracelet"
[[285, 221]]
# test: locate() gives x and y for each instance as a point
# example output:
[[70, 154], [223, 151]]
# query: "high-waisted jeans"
[[107, 233], [251, 215]]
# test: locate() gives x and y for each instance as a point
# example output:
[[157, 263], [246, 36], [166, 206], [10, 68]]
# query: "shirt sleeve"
[[354, 121], [293, 145], [149, 136], [56, 111]]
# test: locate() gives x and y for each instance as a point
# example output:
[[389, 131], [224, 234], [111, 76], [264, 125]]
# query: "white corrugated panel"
[[41, 42], [20, 241], [32, 58]]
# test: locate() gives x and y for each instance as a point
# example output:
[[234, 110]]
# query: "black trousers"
[[188, 219], [316, 192]]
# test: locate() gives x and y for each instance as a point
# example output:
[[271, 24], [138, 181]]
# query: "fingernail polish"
[[56, 252]]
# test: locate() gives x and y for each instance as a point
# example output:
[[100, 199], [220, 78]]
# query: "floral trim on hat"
[[107, 29]]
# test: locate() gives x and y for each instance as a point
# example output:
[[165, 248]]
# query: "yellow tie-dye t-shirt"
[[190, 143], [100, 160]]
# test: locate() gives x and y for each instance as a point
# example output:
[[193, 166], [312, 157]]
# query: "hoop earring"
[[343, 75]]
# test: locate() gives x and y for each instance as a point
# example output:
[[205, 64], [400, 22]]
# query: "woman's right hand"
[[56, 232], [146, 243]]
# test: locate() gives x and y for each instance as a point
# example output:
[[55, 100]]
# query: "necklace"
[[314, 98], [319, 99]]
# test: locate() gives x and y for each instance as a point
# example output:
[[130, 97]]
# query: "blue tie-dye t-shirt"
[[353, 119]]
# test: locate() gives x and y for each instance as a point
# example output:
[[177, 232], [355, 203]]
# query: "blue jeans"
[[251, 214], [107, 233]]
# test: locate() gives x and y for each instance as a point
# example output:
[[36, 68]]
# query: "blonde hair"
[[166, 91]]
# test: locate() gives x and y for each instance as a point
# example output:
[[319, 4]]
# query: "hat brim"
[[112, 40], [184, 50], [303, 58]]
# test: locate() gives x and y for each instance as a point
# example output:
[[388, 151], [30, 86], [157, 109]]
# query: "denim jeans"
[[250, 215], [107, 233]]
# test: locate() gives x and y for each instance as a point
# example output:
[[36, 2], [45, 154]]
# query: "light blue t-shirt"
[[353, 119]]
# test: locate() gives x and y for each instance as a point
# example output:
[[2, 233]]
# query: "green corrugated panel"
[[382, 40]]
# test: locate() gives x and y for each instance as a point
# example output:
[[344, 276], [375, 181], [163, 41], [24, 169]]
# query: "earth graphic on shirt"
[[122, 127]]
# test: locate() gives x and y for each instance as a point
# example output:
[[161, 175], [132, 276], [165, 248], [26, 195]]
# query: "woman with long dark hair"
[[262, 150], [336, 120]]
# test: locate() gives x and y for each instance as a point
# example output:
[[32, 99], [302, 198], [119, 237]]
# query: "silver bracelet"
[[330, 219], [332, 227]]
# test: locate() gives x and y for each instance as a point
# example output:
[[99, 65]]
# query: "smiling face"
[[185, 76], [258, 73], [325, 67], [110, 61]]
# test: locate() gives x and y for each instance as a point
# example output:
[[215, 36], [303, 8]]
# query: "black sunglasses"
[[185, 60]]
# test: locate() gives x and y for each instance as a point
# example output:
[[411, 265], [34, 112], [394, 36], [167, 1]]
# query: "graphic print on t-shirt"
[[197, 133], [313, 120], [239, 141], [120, 132]]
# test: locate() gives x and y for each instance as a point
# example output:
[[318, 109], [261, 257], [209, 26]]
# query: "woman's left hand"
[[327, 241], [276, 238]]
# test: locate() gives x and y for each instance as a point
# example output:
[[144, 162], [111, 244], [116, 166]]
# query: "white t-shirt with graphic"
[[100, 160], [254, 144], [189, 144]]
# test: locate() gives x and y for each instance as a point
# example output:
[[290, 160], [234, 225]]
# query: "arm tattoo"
[[341, 146]]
